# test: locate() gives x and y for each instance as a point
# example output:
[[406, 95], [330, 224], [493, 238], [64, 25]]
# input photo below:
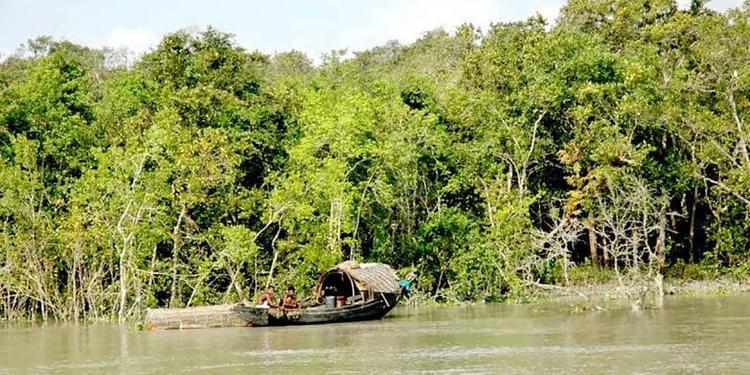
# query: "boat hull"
[[376, 308]]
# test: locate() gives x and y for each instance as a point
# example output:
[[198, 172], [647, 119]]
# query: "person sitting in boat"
[[266, 299], [290, 299]]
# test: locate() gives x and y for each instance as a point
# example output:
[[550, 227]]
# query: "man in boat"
[[266, 299], [290, 299]]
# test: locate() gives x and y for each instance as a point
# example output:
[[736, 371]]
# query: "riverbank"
[[588, 288], [618, 294], [680, 287]]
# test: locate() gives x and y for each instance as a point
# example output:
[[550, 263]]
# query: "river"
[[688, 335]]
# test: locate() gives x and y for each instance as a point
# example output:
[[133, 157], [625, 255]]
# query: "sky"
[[311, 26]]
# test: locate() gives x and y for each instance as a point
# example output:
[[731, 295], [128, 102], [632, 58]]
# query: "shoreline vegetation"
[[601, 289], [602, 154], [612, 295]]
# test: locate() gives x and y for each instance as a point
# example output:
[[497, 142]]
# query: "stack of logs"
[[193, 317]]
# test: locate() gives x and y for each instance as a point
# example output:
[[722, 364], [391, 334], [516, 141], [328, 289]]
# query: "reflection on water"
[[688, 335]]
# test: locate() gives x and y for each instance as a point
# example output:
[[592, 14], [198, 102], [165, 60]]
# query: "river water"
[[688, 335]]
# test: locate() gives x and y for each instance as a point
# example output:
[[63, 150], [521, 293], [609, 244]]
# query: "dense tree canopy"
[[488, 162]]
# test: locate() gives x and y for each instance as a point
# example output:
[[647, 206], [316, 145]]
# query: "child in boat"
[[290, 299], [266, 299]]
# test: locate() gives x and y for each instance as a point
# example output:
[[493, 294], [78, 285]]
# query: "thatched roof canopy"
[[372, 277]]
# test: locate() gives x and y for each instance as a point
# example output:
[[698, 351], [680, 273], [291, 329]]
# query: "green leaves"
[[477, 159], [238, 243]]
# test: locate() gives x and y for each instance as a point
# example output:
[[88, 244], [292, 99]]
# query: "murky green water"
[[690, 335]]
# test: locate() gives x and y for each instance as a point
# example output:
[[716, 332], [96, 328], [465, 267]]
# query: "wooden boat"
[[364, 291]]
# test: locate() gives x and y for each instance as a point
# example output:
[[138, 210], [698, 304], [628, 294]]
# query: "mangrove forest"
[[608, 145]]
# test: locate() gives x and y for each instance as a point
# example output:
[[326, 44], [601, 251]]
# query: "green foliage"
[[586, 274], [683, 271], [480, 161]]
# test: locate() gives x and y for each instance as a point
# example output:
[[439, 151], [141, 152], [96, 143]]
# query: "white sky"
[[314, 27]]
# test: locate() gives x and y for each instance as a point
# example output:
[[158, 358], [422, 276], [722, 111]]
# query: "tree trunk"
[[74, 277], [275, 256], [175, 251], [740, 128], [605, 257], [126, 240], [235, 284], [123, 284], [660, 240], [661, 255], [691, 234], [592, 241]]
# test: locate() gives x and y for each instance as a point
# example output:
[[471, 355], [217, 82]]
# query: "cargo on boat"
[[347, 292]]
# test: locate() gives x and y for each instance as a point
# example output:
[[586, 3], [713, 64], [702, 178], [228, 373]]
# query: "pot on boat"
[[330, 302]]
